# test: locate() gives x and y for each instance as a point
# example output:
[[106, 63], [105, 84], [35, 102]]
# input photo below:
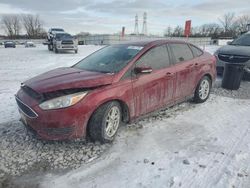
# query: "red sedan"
[[115, 84]]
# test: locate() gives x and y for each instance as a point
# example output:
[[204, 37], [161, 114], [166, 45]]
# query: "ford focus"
[[115, 84]]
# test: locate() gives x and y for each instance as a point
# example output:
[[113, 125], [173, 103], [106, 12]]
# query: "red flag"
[[187, 28]]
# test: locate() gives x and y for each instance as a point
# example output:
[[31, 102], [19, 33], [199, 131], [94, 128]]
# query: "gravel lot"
[[21, 152]]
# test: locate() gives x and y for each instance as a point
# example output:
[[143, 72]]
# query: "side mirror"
[[143, 70], [229, 42]]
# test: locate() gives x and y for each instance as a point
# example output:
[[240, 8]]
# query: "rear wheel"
[[104, 123], [202, 90]]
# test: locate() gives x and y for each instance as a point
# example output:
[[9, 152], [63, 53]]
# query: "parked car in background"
[[237, 51], [29, 44], [9, 44], [118, 83]]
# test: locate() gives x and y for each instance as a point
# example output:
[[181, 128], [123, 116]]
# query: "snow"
[[204, 145], [211, 48], [19, 64]]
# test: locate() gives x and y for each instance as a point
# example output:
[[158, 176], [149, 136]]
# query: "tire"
[[50, 48], [76, 51], [55, 49], [98, 125], [201, 95]]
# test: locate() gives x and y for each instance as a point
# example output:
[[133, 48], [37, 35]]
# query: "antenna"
[[144, 27], [136, 31]]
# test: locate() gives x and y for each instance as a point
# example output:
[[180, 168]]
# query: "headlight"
[[63, 102]]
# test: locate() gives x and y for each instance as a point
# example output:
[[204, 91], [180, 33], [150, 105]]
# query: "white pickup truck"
[[58, 40]]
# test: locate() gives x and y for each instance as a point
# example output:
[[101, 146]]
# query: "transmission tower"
[[136, 31], [144, 27]]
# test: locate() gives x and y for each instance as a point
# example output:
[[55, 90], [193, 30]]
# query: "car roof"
[[152, 42], [57, 29]]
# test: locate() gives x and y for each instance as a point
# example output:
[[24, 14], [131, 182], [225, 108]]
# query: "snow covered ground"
[[205, 145], [19, 64]]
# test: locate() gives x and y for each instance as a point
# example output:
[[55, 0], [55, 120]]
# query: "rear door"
[[183, 59], [153, 90]]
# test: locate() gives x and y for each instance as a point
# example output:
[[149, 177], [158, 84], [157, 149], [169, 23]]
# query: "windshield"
[[243, 40], [63, 35], [57, 29], [110, 59]]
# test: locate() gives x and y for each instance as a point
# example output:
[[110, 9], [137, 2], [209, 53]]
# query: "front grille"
[[26, 109], [233, 58], [59, 131], [67, 47], [67, 42], [33, 94]]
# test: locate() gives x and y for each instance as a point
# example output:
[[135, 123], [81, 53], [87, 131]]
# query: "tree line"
[[229, 25], [14, 24]]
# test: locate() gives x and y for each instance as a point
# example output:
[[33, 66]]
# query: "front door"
[[155, 89]]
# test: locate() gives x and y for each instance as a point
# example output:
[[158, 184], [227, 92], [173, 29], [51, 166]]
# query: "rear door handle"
[[189, 66], [169, 74]]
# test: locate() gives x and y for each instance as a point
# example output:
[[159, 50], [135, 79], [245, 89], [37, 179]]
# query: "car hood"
[[235, 50], [67, 78]]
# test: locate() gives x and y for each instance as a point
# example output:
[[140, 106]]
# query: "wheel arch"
[[198, 80], [124, 108], [209, 76]]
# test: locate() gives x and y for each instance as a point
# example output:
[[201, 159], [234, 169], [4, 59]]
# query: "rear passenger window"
[[181, 52], [196, 51], [155, 58]]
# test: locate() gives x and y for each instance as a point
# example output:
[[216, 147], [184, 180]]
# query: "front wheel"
[[55, 50], [104, 123], [202, 90]]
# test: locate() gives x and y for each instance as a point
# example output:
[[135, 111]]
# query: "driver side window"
[[156, 58]]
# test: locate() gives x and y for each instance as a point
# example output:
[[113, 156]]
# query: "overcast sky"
[[108, 16]]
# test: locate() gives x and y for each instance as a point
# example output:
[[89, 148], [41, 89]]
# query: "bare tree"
[[178, 31], [33, 25], [210, 30], [227, 21], [240, 24], [168, 32], [11, 24], [16, 24]]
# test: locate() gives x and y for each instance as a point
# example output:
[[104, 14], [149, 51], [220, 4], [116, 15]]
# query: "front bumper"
[[67, 47], [221, 64], [60, 124]]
